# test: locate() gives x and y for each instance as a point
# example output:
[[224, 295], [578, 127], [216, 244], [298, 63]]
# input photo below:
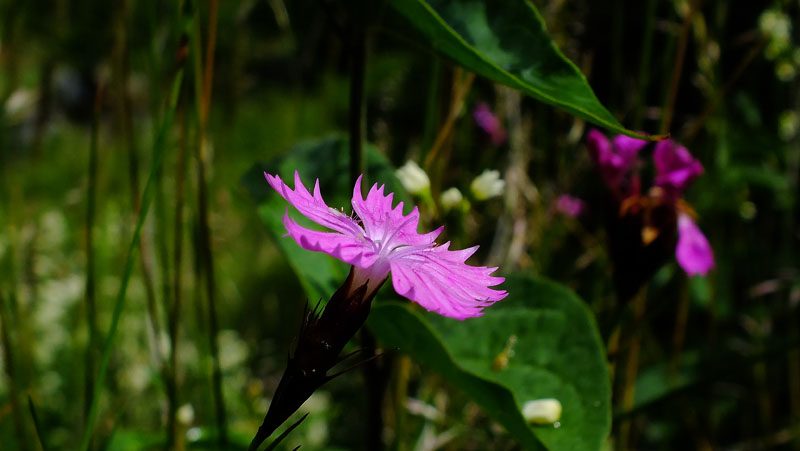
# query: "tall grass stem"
[[119, 302], [202, 84]]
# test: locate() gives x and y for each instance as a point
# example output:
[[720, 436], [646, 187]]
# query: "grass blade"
[[36, 426], [119, 303]]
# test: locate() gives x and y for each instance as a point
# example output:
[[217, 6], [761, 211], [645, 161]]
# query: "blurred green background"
[[85, 114]]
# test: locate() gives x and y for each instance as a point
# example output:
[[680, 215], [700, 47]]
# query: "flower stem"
[[119, 302], [202, 84], [11, 374], [357, 120], [672, 94], [679, 334], [123, 116], [319, 343], [631, 370], [89, 294], [694, 127], [173, 438], [644, 64]]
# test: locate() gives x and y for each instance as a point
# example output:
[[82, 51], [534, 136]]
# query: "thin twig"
[[631, 370], [461, 89], [669, 105], [695, 126], [679, 334]]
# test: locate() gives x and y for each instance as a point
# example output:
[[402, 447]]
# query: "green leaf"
[[326, 160], [558, 354], [507, 42]]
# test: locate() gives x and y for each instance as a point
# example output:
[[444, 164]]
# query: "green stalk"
[[89, 295], [11, 374], [202, 87], [358, 53], [625, 438], [679, 333], [36, 425], [373, 376], [125, 124], [175, 308], [677, 68], [644, 64], [119, 303]]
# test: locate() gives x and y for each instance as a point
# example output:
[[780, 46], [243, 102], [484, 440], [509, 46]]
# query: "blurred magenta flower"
[[650, 224], [489, 123], [614, 158], [675, 167], [570, 206], [693, 251], [381, 239]]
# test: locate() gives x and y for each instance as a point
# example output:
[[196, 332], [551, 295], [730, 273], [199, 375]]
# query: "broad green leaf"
[[558, 354], [326, 160], [507, 42]]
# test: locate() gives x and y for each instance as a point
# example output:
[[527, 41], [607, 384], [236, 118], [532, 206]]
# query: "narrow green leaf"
[[507, 42], [557, 354], [119, 303]]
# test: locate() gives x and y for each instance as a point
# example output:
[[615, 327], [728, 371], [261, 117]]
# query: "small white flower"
[[233, 350], [775, 24], [542, 411], [788, 125], [185, 414], [20, 103], [194, 434], [487, 185], [413, 178], [451, 198], [785, 71], [777, 27]]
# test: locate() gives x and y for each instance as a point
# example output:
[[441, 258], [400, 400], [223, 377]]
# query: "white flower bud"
[[788, 125], [451, 199], [487, 185], [542, 411], [185, 414], [413, 178], [777, 27]]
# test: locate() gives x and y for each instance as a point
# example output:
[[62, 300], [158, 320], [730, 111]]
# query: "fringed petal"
[[314, 207], [439, 280], [349, 249], [382, 222]]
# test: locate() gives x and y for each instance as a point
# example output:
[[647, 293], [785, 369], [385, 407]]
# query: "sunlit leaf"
[[507, 42], [557, 353]]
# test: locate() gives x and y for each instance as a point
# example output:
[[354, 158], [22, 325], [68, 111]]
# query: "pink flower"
[[675, 167], [489, 123], [570, 206], [381, 239], [693, 251], [614, 158]]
